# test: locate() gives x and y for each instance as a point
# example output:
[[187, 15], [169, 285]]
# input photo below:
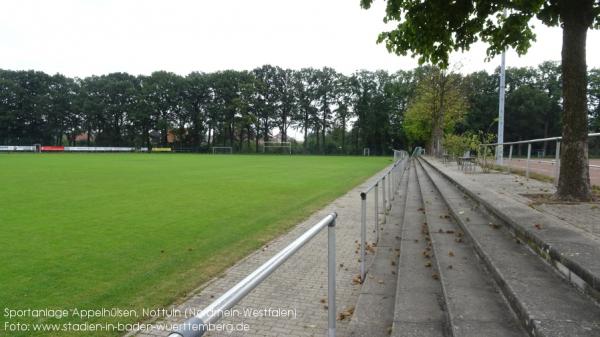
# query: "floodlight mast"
[[500, 148]]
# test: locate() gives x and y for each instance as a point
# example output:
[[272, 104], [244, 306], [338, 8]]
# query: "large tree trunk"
[[438, 123], [357, 140], [266, 131], [256, 137], [574, 180], [231, 134], [165, 137], [436, 141], [147, 136], [249, 133], [323, 134], [318, 139], [198, 135], [284, 128], [305, 131], [344, 135]]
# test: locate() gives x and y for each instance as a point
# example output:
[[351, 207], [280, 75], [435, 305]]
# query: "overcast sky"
[[85, 37]]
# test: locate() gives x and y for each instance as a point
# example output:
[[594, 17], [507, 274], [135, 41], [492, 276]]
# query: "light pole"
[[500, 148]]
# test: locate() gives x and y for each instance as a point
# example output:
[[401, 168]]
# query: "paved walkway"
[[583, 216], [300, 284]]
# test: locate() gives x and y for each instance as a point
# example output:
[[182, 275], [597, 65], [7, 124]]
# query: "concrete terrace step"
[[570, 251], [419, 309], [546, 303], [374, 311], [474, 303]]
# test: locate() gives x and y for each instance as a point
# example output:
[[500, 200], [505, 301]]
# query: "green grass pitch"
[[139, 230]]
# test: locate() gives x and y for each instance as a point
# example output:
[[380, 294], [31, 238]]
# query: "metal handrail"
[[392, 176], [418, 151], [595, 134], [529, 142], [383, 175], [198, 325]]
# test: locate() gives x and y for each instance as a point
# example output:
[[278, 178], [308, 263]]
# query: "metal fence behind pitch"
[[497, 147], [389, 182]]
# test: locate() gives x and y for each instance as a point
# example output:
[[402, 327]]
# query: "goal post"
[[222, 150], [285, 146], [366, 152]]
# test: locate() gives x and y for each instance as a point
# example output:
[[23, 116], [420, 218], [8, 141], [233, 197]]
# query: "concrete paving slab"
[[577, 250], [546, 303], [419, 308], [418, 329], [471, 296], [374, 317]]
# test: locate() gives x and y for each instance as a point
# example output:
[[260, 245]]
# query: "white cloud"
[[85, 37]]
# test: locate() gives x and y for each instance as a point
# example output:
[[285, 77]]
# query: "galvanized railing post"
[[395, 175], [397, 179], [363, 233], [393, 183], [398, 171], [390, 196], [528, 158], [376, 200], [331, 267], [390, 184], [529, 143], [557, 163], [510, 157], [385, 201], [394, 180], [484, 157]]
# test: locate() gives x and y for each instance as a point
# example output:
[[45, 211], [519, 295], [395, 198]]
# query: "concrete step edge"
[[356, 328], [396, 330], [572, 270], [527, 319], [450, 317]]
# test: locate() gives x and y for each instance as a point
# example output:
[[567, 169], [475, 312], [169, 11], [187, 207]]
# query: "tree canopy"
[[432, 29], [439, 104]]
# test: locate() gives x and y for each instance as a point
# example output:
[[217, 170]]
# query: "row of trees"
[[445, 102], [335, 113], [501, 24]]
